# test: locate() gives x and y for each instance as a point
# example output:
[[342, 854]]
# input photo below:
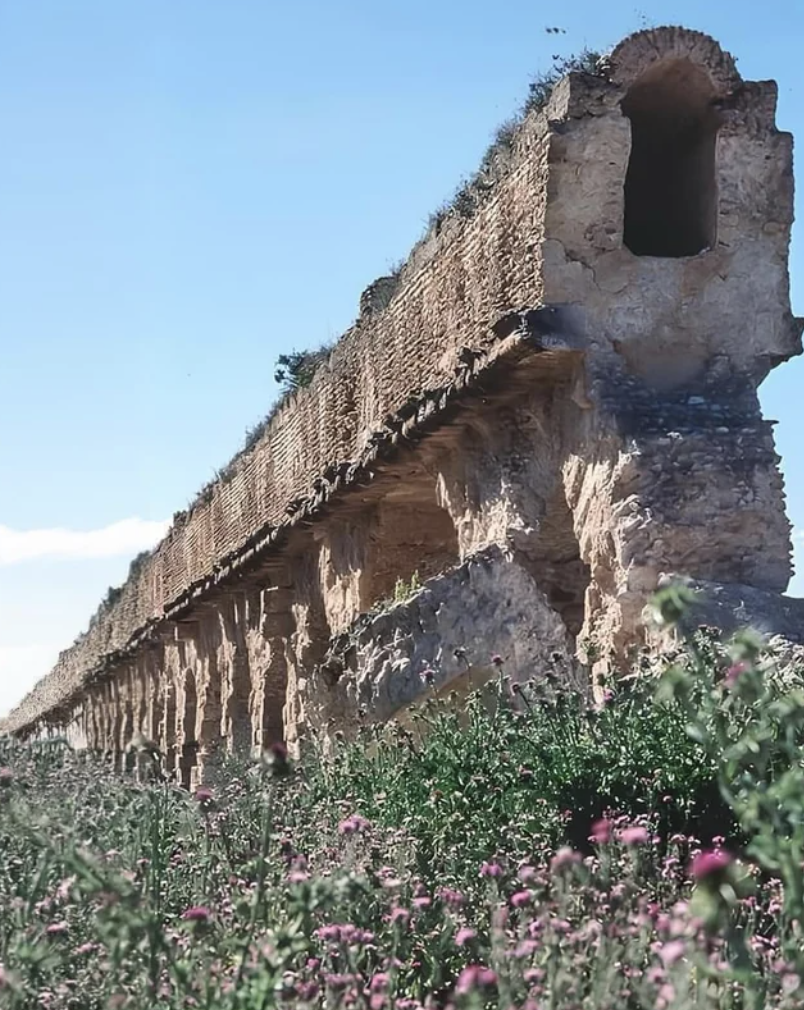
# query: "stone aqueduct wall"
[[538, 414], [474, 271]]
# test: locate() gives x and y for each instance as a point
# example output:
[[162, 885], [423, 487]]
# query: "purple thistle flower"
[[329, 934], [474, 977], [196, 913], [636, 835], [203, 795], [380, 981], [710, 864], [450, 897], [671, 952], [353, 825], [564, 859], [490, 870], [400, 915], [601, 831]]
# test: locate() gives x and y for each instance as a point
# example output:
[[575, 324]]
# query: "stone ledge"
[[732, 607], [442, 639]]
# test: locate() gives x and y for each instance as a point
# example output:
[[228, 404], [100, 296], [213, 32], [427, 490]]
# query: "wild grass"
[[539, 853]]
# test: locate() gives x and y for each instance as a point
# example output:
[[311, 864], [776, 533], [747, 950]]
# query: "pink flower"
[[203, 794], [497, 660], [422, 902], [196, 913], [450, 897], [671, 952], [708, 864], [734, 673], [474, 977], [355, 936], [400, 915], [490, 870], [525, 948], [329, 934], [564, 859], [306, 991], [665, 996], [601, 831], [380, 982], [636, 835], [520, 899], [353, 825], [464, 935], [57, 928]]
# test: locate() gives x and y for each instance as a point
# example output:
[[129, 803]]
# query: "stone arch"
[[272, 727], [671, 184], [168, 733], [637, 53], [189, 743]]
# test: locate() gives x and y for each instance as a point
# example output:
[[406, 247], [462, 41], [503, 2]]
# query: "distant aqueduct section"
[[549, 409]]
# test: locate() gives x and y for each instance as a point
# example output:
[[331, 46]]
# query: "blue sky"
[[188, 188]]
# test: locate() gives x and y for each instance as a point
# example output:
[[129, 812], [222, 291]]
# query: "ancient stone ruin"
[[551, 408]]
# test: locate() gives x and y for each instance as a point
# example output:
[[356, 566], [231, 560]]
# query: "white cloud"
[[125, 537]]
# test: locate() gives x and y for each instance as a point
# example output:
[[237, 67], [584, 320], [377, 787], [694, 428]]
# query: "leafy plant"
[[404, 589], [531, 851], [297, 369]]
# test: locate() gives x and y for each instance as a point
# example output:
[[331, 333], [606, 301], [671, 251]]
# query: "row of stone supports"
[[211, 685], [566, 492]]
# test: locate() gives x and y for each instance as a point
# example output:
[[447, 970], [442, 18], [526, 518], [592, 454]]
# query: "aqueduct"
[[549, 408]]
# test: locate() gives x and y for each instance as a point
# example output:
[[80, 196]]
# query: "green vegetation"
[[471, 194], [645, 851], [405, 588], [297, 369]]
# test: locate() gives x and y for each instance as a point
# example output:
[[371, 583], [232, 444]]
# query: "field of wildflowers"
[[646, 853]]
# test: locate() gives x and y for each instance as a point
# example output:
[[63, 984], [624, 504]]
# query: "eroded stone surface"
[[565, 378], [484, 615], [731, 607]]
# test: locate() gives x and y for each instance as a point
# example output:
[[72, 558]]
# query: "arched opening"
[[272, 725], [189, 748], [412, 540], [239, 718], [168, 736], [670, 186]]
